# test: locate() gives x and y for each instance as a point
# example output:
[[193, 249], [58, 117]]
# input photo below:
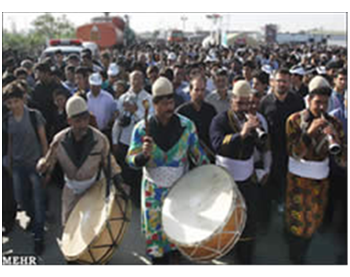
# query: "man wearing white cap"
[[80, 149], [101, 104], [162, 147], [312, 137], [171, 59], [112, 72], [297, 74], [234, 138]]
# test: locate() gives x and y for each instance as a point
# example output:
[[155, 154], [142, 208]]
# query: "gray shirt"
[[221, 105], [26, 149]]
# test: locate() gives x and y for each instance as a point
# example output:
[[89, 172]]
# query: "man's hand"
[[42, 166], [147, 146], [329, 130], [316, 126], [251, 124]]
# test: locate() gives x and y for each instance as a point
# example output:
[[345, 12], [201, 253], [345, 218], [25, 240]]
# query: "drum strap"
[[107, 171], [108, 175]]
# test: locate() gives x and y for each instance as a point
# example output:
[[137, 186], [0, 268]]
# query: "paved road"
[[327, 247]]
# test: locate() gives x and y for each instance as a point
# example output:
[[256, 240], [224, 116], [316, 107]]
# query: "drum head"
[[198, 205], [86, 220]]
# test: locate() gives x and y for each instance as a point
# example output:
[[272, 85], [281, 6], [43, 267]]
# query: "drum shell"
[[223, 239], [101, 249], [226, 239]]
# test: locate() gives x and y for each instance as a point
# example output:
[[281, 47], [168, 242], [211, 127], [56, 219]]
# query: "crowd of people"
[[274, 115]]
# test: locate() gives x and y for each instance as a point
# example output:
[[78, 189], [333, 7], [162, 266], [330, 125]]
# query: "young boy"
[[27, 143], [60, 116]]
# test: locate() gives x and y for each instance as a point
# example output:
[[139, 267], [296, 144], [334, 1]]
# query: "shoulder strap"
[[33, 120], [232, 122], [6, 134]]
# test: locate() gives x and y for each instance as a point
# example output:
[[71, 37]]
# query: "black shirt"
[[303, 90], [202, 118], [236, 148], [165, 137], [43, 99], [276, 113], [79, 151]]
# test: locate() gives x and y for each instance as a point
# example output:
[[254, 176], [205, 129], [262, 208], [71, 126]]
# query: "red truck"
[[106, 32]]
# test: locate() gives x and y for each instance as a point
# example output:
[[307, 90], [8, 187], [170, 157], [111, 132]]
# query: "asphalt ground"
[[327, 248]]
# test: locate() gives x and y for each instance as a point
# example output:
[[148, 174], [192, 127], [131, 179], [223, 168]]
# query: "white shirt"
[[140, 97], [123, 134], [103, 107]]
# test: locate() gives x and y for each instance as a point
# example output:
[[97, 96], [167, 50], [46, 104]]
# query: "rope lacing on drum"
[[114, 244]]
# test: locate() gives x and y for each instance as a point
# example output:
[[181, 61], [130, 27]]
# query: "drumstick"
[[49, 162], [207, 150], [145, 104]]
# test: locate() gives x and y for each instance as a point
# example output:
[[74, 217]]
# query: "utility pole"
[[215, 29], [184, 19]]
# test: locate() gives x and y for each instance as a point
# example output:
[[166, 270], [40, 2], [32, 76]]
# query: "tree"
[[50, 27], [44, 27]]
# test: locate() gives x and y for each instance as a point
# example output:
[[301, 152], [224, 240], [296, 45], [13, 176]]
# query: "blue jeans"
[[30, 195]]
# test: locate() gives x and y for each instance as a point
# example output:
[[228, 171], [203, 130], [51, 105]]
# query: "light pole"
[[214, 18], [184, 19]]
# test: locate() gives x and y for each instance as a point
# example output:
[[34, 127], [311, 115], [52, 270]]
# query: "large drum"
[[204, 213], [96, 226]]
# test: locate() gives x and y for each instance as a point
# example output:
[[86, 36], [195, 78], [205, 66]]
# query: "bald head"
[[136, 81]]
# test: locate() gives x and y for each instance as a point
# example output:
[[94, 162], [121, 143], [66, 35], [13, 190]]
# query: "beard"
[[169, 113], [281, 92]]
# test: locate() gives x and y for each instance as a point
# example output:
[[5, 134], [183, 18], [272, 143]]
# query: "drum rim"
[[228, 217], [108, 214]]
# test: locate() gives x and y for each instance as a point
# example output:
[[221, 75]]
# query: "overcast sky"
[[141, 22]]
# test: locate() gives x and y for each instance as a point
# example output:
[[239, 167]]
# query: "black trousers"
[[130, 176], [298, 247], [244, 252]]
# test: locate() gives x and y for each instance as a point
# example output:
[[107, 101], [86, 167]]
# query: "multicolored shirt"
[[173, 146], [176, 155], [306, 198]]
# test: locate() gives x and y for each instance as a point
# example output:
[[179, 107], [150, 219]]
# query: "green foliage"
[[44, 27], [50, 27]]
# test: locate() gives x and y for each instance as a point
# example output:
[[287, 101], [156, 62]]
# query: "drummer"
[[234, 139], [80, 149], [164, 155]]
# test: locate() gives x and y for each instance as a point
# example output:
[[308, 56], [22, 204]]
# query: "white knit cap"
[[318, 82], [242, 89], [161, 87], [75, 106]]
